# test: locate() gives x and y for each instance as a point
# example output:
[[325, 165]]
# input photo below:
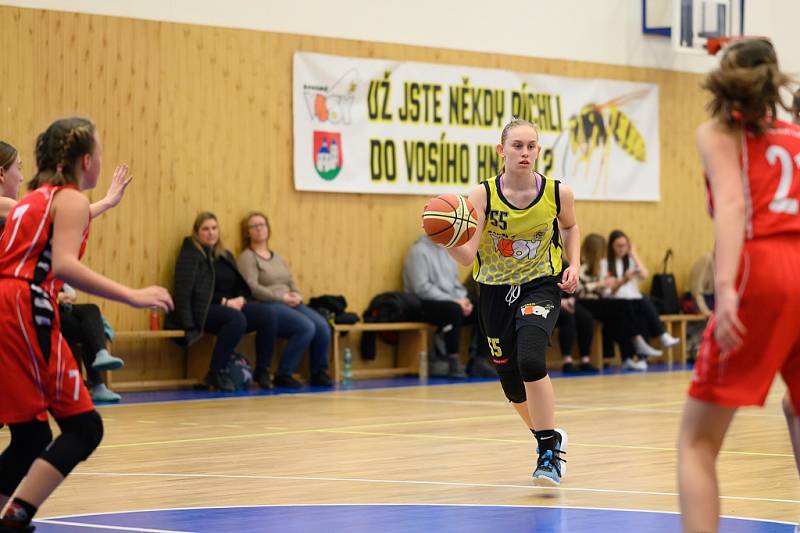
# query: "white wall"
[[598, 31]]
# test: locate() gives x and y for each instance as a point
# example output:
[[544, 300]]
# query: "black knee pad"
[[28, 441], [512, 384], [531, 353], [80, 436]]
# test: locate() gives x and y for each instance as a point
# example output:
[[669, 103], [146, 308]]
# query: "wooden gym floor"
[[452, 444]]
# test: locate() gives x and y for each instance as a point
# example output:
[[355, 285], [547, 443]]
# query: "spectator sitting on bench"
[[82, 324], [270, 281], [575, 322], [624, 267], [701, 287], [617, 315], [211, 296], [430, 274]]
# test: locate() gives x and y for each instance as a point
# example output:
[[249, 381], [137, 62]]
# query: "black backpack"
[[388, 307], [240, 371], [663, 291], [393, 307]]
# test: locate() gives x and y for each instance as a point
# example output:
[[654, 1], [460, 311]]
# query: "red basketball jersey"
[[25, 247], [771, 178]]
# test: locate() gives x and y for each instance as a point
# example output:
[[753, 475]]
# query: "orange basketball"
[[449, 220]]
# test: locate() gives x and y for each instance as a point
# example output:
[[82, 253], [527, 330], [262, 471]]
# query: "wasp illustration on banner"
[[590, 129]]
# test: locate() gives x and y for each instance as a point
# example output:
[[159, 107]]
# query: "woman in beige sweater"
[[270, 281]]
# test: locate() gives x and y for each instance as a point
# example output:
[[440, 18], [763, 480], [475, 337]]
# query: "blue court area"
[[393, 519], [368, 384]]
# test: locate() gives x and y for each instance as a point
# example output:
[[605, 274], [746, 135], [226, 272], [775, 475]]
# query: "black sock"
[[547, 439], [19, 511], [533, 431]]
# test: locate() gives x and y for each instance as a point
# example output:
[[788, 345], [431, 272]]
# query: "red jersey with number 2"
[[771, 179], [768, 286]]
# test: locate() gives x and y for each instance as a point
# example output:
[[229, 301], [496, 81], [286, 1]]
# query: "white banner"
[[377, 126]]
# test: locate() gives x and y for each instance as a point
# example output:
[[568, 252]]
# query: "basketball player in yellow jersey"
[[516, 254]]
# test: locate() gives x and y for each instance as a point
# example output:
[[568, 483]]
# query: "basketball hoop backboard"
[[699, 26]]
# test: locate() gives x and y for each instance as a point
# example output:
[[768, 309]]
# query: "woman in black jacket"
[[211, 296]]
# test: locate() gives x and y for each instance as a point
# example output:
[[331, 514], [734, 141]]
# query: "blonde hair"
[[515, 123], [218, 249], [592, 250]]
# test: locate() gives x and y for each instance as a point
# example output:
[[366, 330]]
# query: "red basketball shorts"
[[35, 377], [769, 307]]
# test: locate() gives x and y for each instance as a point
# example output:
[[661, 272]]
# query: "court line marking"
[[345, 392], [565, 408], [584, 445], [353, 430], [405, 504], [419, 482], [102, 526], [568, 408]]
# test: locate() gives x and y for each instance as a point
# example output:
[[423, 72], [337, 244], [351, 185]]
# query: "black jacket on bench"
[[194, 288]]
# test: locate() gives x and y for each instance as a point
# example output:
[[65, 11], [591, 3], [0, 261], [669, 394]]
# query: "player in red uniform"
[[40, 248], [752, 164]]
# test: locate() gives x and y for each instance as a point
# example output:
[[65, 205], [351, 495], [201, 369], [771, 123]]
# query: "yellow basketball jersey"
[[519, 245]]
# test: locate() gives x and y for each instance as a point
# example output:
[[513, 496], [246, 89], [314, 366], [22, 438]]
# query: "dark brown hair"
[[611, 257], [59, 148], [746, 86], [219, 248], [8, 154], [245, 227]]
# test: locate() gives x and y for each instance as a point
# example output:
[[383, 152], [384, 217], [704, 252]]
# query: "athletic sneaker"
[[101, 393], [285, 381], [106, 361], [551, 467], [642, 348], [668, 341], [630, 364]]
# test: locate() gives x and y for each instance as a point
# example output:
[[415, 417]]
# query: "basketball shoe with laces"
[[551, 466]]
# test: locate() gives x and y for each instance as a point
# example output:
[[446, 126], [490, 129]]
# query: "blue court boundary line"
[[183, 396], [375, 504]]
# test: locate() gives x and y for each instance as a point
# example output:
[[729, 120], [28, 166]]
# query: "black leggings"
[[83, 324], [448, 315], [80, 436], [230, 325], [580, 325]]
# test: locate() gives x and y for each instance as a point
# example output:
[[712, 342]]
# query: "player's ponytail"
[[746, 86], [59, 149]]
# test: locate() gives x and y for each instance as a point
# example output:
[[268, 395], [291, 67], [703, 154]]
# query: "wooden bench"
[[675, 325], [145, 335], [412, 348]]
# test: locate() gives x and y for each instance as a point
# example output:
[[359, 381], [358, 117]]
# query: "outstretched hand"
[[569, 279], [119, 182], [153, 296]]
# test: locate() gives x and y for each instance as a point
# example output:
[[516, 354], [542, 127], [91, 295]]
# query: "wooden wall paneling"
[[204, 117]]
